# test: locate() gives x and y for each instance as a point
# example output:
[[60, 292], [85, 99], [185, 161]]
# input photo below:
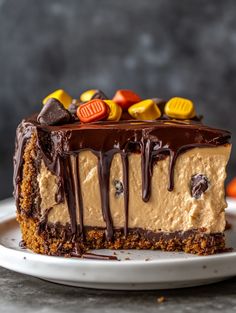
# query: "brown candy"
[[99, 95], [160, 103], [74, 106], [198, 185], [53, 113], [125, 116]]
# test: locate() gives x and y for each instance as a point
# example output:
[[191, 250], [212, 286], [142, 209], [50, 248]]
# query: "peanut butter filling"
[[165, 211]]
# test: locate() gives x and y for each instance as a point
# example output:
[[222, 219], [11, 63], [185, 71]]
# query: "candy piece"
[[53, 113], [160, 103], [126, 116], [115, 111], [99, 95], [92, 94], [74, 106], [125, 98], [231, 188], [145, 110], [87, 95], [94, 110], [198, 185], [180, 108], [61, 96]]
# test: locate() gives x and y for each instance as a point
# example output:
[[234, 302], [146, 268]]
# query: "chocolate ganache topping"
[[155, 140]]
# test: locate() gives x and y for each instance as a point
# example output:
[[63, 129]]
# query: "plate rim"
[[10, 215], [156, 274]]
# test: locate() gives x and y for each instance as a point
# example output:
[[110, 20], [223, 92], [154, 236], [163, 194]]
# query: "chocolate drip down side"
[[104, 165], [24, 132], [60, 146], [70, 192], [77, 191], [125, 167], [146, 159]]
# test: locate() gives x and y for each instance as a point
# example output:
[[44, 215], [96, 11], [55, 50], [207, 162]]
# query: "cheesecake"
[[95, 174]]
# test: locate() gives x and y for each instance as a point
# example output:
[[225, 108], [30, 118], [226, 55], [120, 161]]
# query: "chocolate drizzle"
[[104, 165], [146, 155], [60, 146], [125, 167], [95, 256], [78, 194], [24, 132], [70, 191]]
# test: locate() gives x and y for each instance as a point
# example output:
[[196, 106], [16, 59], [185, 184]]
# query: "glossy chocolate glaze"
[[153, 139]]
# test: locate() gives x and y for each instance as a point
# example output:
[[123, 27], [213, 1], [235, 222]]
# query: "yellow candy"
[[61, 96], [145, 110], [115, 111], [180, 108], [87, 95]]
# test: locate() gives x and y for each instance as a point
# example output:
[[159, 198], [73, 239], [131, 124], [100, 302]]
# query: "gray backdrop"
[[156, 47]]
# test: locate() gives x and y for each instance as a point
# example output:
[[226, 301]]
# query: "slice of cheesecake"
[[129, 184]]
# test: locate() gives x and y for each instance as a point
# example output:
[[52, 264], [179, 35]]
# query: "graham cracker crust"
[[58, 240]]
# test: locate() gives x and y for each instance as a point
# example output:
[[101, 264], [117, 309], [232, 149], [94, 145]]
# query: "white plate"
[[162, 270]]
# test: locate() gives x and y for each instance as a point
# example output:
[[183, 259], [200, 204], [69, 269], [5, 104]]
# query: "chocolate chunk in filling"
[[198, 185], [118, 187]]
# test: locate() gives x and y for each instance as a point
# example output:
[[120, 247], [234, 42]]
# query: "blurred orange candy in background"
[[231, 188]]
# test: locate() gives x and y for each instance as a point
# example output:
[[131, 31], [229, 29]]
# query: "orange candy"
[[92, 111], [231, 188], [125, 98]]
